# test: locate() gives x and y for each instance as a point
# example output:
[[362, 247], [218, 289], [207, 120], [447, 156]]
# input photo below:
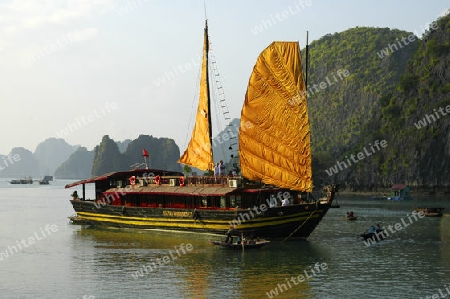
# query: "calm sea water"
[[43, 256]]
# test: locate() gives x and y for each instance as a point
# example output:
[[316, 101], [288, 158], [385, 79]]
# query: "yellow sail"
[[274, 134], [199, 151]]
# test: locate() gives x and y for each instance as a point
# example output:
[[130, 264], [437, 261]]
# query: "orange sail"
[[199, 151], [274, 134]]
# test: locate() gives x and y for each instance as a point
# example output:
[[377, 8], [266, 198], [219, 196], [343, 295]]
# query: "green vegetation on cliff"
[[163, 152], [107, 157], [396, 82], [355, 79], [420, 132]]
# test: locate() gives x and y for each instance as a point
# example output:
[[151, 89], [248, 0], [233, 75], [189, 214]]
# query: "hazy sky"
[[81, 69]]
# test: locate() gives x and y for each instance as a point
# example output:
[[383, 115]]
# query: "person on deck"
[[222, 168], [74, 195], [285, 202], [378, 229], [216, 170]]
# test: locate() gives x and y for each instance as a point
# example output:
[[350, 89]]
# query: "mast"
[[207, 83], [307, 64]]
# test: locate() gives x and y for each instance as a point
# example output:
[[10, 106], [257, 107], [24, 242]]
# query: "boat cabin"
[[165, 189]]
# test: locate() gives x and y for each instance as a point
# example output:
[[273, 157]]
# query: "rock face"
[[19, 163], [401, 98], [420, 131], [78, 166], [48, 155], [107, 157], [51, 153], [163, 153]]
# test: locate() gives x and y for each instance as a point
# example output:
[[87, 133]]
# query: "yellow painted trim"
[[189, 223]]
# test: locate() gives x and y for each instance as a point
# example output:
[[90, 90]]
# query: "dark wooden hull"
[[77, 220], [294, 221]]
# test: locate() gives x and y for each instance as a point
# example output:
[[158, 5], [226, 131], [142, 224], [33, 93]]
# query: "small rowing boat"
[[241, 245], [430, 212], [351, 216]]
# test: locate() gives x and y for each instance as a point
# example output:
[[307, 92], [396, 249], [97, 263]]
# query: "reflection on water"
[[203, 272], [444, 230]]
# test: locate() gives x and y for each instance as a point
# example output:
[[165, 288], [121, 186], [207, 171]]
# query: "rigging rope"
[[299, 226]]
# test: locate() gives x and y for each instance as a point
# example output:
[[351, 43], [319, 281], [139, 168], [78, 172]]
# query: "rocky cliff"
[[406, 109]]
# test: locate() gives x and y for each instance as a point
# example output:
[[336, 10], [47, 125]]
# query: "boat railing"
[[229, 181]]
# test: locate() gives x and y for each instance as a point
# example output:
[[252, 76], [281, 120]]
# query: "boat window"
[[191, 201], [238, 201], [204, 201], [159, 201], [223, 202], [214, 201]]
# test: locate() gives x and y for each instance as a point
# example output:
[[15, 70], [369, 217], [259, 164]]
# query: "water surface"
[[85, 262]]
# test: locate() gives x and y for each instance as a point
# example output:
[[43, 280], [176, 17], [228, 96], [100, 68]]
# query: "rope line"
[[299, 227]]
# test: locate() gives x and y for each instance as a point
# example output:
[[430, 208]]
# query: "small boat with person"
[[241, 244], [430, 212], [351, 216], [376, 233]]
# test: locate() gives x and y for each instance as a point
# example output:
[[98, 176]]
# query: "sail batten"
[[199, 150], [276, 147]]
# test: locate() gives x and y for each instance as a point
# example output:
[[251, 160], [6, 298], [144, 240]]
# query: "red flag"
[[144, 153]]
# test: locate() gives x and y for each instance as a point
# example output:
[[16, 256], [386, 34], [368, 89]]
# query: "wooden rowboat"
[[430, 212], [240, 246]]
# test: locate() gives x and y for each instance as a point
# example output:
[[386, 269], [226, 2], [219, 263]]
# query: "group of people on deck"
[[220, 169]]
